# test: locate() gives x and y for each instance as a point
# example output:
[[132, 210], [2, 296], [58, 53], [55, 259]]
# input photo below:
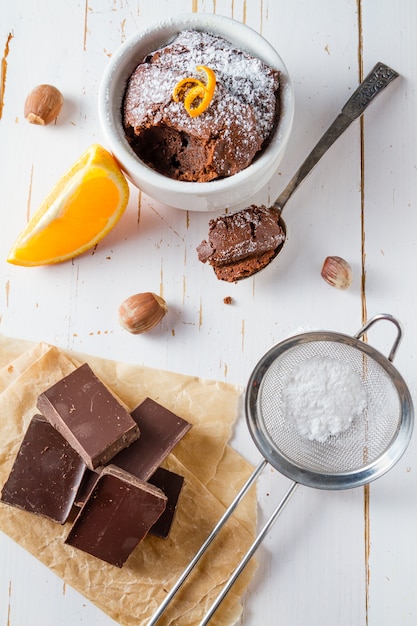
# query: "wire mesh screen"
[[367, 437]]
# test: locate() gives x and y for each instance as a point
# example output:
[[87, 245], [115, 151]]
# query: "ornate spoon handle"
[[375, 82]]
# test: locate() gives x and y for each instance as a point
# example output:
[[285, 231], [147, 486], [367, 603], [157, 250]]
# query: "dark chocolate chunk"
[[160, 431], [89, 480], [117, 516], [46, 474], [171, 484], [89, 416]]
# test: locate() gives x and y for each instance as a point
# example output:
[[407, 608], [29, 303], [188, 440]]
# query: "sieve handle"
[[389, 318], [163, 606], [249, 554]]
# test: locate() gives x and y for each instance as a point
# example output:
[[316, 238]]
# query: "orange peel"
[[196, 94]]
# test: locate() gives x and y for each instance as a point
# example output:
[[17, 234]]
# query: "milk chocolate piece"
[[89, 416], [160, 431], [46, 474], [171, 484], [117, 516]]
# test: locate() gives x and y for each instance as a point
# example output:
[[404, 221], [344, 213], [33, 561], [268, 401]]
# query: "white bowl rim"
[[223, 26]]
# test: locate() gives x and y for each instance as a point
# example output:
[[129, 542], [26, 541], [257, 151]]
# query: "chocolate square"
[[160, 431], [89, 480], [171, 484], [89, 416], [46, 474], [117, 516]]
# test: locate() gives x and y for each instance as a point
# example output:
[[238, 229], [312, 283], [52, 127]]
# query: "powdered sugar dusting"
[[322, 396], [241, 114], [243, 76]]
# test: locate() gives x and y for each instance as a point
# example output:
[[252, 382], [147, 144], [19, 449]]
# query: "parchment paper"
[[213, 474]]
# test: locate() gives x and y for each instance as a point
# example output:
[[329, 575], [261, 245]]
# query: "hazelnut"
[[337, 272], [43, 105], [141, 312]]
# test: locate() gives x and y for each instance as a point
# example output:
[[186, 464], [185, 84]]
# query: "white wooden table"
[[343, 558]]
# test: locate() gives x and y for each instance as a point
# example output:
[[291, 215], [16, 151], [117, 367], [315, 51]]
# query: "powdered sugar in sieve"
[[322, 396]]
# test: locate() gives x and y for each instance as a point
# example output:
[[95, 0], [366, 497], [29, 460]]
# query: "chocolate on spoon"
[[240, 244]]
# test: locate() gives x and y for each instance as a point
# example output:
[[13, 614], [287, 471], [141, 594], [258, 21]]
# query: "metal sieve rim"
[[322, 479]]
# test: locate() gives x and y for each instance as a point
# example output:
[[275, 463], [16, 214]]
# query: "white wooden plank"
[[390, 213]]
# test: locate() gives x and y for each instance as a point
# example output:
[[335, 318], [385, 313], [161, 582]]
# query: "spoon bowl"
[[375, 82]]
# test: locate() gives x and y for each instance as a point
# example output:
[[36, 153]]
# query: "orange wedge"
[[80, 210]]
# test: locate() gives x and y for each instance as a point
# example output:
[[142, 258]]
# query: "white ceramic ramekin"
[[231, 192]]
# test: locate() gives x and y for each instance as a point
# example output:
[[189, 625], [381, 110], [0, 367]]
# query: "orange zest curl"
[[196, 94]]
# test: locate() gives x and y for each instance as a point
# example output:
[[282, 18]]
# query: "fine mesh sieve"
[[369, 447]]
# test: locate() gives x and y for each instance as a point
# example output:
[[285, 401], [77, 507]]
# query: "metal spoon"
[[375, 82]]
